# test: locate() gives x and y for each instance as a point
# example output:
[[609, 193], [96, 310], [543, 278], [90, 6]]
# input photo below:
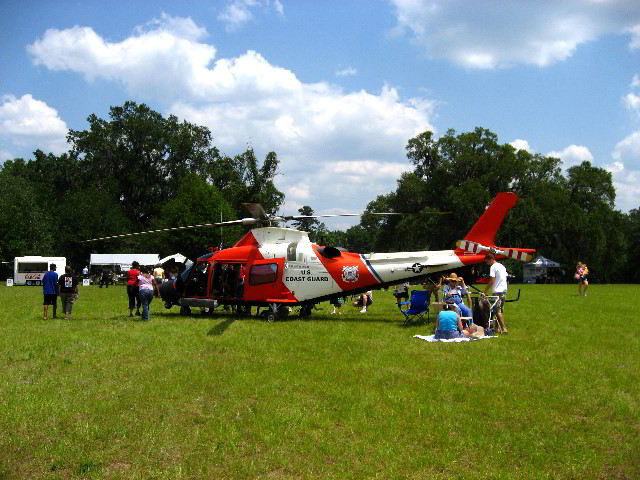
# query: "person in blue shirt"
[[454, 293], [448, 323], [50, 290]]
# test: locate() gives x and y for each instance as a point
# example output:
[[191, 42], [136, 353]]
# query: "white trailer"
[[30, 270]]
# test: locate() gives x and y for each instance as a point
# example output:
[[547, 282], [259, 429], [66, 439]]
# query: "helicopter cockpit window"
[[261, 274], [291, 251]]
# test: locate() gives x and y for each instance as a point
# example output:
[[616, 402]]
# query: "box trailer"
[[30, 270]]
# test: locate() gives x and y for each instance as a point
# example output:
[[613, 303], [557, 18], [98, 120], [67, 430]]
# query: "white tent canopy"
[[124, 259], [541, 261], [178, 257], [538, 268]]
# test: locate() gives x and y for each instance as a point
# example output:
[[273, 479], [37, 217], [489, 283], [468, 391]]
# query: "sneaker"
[[364, 310]]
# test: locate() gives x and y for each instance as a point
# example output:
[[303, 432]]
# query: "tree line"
[[138, 170]]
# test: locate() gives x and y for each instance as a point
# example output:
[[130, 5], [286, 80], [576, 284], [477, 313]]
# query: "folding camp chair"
[[418, 306]]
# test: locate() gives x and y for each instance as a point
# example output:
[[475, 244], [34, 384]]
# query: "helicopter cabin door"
[[264, 280]]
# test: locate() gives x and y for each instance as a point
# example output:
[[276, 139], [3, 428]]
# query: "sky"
[[335, 88]]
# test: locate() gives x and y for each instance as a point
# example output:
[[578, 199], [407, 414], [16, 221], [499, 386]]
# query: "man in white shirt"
[[498, 284]]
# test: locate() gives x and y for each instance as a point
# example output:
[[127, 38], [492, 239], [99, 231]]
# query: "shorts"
[[50, 299], [337, 302], [448, 334], [583, 279], [499, 306]]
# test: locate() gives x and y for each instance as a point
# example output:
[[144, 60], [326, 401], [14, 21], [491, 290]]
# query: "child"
[[337, 305], [402, 292]]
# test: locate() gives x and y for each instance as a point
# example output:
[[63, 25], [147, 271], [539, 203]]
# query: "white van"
[[30, 270]]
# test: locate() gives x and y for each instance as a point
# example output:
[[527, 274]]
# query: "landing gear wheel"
[[271, 318]]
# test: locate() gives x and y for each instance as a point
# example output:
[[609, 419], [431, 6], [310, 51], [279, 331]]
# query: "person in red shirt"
[[133, 288]]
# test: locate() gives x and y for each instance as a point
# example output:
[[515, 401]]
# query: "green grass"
[[350, 396]]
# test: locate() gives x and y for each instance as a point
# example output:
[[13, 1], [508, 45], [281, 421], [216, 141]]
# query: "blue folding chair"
[[418, 307]]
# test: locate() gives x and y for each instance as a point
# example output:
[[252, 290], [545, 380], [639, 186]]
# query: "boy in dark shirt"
[[68, 284], [50, 290]]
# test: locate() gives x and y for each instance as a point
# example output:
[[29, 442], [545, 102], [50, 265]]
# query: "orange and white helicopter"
[[278, 267]]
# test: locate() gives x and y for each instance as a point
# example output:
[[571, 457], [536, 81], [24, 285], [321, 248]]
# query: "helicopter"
[[278, 268]]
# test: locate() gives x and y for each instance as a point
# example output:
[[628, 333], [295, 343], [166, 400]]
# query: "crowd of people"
[[449, 322], [142, 287]]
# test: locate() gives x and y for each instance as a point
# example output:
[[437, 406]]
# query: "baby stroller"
[[484, 311]]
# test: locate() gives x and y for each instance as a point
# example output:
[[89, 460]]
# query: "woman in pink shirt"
[[148, 289]]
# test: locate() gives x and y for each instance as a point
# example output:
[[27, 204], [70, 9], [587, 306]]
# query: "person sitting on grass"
[[449, 325], [364, 300]]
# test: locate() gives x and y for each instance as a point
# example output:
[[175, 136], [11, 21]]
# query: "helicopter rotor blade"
[[244, 221]]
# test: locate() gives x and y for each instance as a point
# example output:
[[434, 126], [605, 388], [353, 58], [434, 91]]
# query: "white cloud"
[[5, 155], [317, 129], [238, 13], [572, 155], [27, 123], [625, 170], [163, 58], [635, 36], [495, 33], [347, 72], [632, 102], [298, 192], [635, 82], [520, 144]]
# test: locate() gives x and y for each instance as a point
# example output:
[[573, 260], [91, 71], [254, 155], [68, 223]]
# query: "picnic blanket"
[[432, 338]]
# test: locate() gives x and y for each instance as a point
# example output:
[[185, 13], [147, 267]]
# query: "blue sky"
[[335, 88]]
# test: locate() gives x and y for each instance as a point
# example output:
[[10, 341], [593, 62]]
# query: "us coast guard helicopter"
[[277, 267]]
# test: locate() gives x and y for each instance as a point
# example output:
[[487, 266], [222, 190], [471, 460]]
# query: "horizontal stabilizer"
[[474, 247]]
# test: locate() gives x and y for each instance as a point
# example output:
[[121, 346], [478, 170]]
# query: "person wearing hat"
[[454, 292]]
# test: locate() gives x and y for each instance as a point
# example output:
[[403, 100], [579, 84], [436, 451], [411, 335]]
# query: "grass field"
[[350, 396]]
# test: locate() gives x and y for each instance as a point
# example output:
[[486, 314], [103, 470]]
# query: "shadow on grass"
[[219, 328]]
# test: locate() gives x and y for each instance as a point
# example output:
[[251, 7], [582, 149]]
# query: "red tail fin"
[[484, 230]]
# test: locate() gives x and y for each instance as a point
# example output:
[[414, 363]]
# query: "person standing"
[[582, 273], [158, 273], [498, 284], [148, 288], [133, 289], [105, 277], [50, 290], [68, 285]]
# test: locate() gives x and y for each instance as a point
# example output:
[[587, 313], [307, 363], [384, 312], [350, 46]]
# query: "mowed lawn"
[[349, 396]]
